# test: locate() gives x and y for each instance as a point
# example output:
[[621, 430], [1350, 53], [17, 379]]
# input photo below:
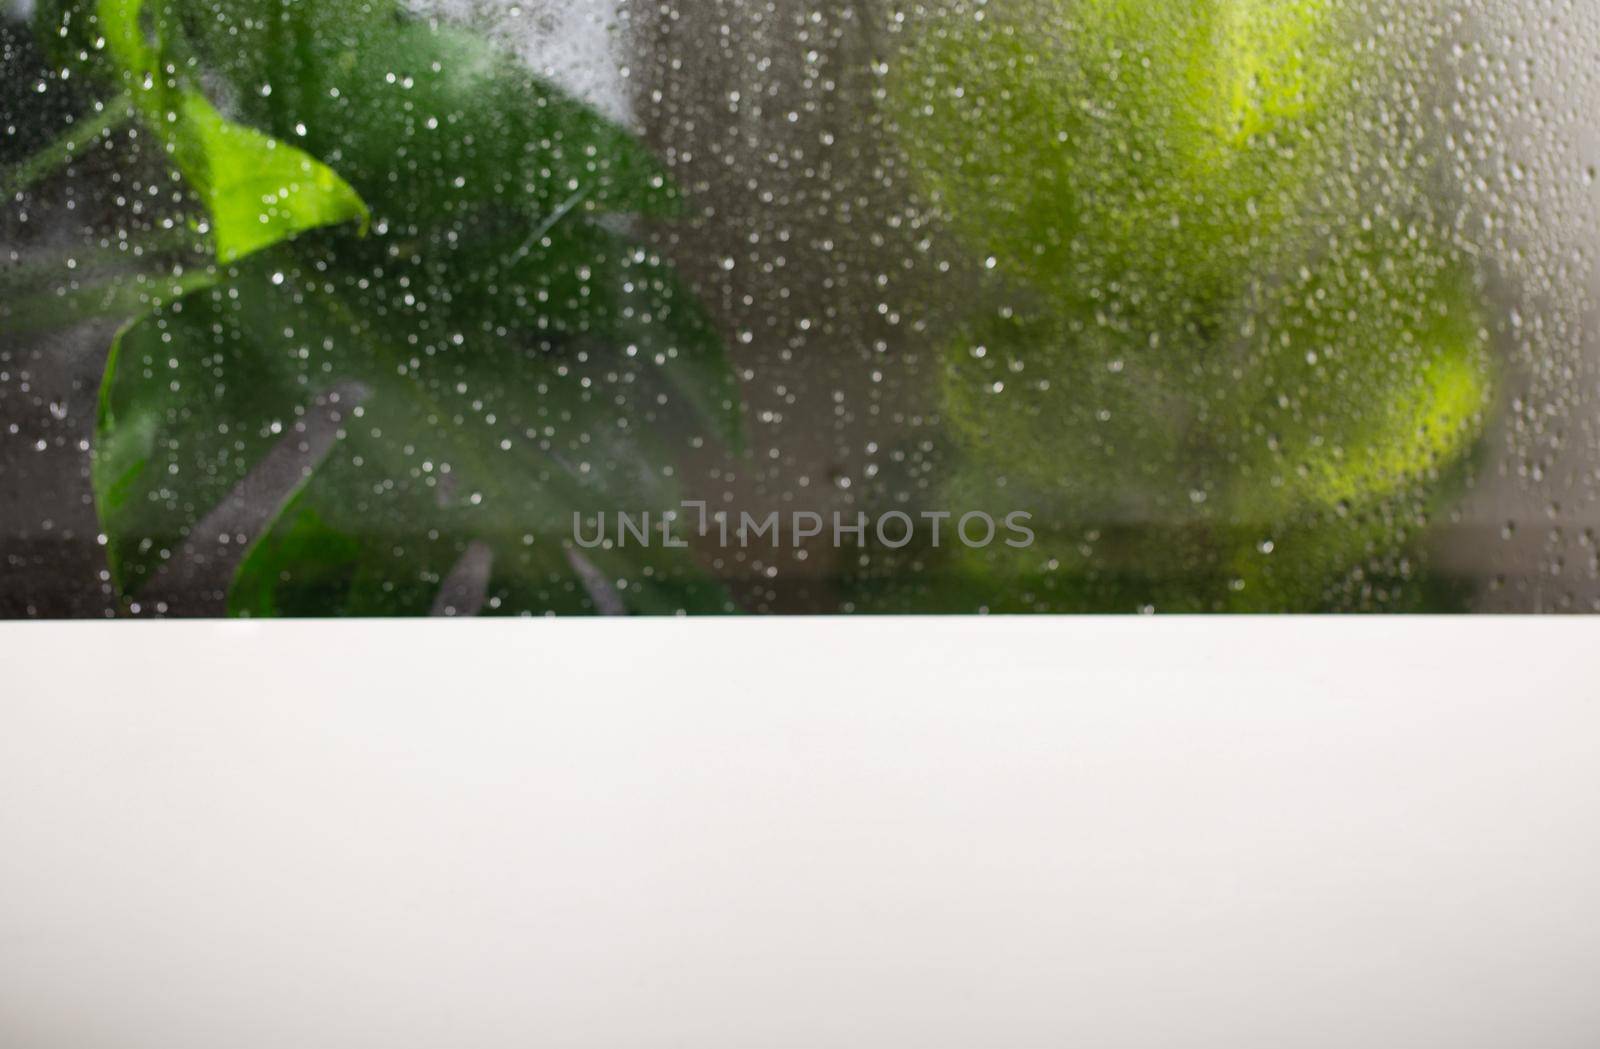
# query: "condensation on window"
[[510, 307]]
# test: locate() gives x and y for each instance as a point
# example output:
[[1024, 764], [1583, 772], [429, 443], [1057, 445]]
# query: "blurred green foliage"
[[1232, 349], [418, 242], [1230, 345]]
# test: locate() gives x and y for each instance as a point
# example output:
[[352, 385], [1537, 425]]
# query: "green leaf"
[[257, 189], [1370, 375], [428, 122], [450, 441]]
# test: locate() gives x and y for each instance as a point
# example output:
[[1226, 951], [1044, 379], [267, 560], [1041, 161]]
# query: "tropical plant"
[[1233, 345], [411, 239]]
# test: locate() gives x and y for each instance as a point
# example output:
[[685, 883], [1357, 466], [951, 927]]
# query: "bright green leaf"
[[257, 189]]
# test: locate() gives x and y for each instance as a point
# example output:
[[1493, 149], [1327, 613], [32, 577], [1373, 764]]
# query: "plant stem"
[[62, 151], [116, 299], [178, 243]]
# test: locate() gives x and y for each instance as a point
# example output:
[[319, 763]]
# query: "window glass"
[[516, 307]]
